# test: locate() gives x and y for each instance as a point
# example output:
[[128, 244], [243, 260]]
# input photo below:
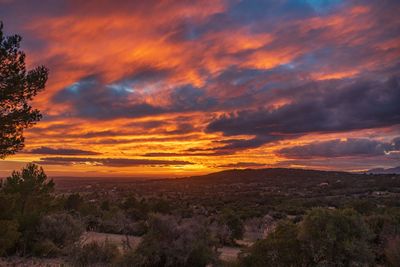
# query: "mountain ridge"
[[394, 170]]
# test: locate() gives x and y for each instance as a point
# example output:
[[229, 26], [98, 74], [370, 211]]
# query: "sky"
[[163, 88]]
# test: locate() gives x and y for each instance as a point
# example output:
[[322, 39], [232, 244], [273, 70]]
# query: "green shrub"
[[173, 243], [324, 238], [31, 192], [336, 237], [280, 248], [234, 224]]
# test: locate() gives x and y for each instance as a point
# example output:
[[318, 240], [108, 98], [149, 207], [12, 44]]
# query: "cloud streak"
[[216, 82], [319, 107], [61, 151], [109, 162], [352, 147]]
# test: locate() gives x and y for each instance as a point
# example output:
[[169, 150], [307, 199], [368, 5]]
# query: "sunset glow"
[[176, 88]]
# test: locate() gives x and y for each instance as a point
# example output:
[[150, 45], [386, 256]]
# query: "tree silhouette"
[[31, 192], [18, 86]]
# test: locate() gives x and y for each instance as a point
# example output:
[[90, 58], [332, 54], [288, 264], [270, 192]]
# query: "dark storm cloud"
[[90, 98], [61, 151], [172, 126], [345, 163], [109, 162], [264, 15], [396, 143], [243, 144], [229, 146], [352, 147], [189, 98], [319, 107]]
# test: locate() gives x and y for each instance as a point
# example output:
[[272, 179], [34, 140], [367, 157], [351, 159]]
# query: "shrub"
[[233, 223], [324, 238], [384, 227], [45, 248], [280, 248], [8, 235], [62, 230], [172, 243], [94, 254], [73, 202], [114, 221], [392, 252], [31, 193], [335, 237]]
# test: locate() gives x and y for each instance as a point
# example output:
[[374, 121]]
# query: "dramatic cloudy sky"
[[171, 88]]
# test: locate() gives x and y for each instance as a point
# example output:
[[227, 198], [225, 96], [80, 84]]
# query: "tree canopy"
[[324, 238], [18, 86], [26, 197]]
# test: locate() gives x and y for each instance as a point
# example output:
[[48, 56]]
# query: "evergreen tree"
[[18, 86]]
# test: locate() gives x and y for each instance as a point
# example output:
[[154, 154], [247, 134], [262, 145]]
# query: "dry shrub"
[[94, 254]]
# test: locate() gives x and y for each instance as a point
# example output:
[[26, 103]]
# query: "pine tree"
[[18, 86]]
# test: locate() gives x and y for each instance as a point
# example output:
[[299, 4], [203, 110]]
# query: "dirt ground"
[[118, 240], [226, 253], [31, 262]]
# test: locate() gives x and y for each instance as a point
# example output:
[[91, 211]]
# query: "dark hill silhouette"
[[395, 170], [283, 178], [279, 177], [278, 174]]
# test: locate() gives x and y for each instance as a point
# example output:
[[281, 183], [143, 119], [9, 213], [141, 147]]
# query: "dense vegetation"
[[323, 224]]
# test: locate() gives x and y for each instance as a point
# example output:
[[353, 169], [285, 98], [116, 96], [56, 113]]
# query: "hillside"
[[251, 191], [277, 176], [395, 170]]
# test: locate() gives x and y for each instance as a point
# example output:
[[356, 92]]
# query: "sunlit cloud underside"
[[175, 88]]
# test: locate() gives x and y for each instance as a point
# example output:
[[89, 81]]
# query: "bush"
[[45, 248], [115, 221], [335, 237], [94, 254], [280, 248], [31, 193], [8, 235], [392, 252], [61, 229], [233, 223], [73, 202], [172, 243], [384, 227], [324, 238]]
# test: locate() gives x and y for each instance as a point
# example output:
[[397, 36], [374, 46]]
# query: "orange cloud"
[[193, 61]]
